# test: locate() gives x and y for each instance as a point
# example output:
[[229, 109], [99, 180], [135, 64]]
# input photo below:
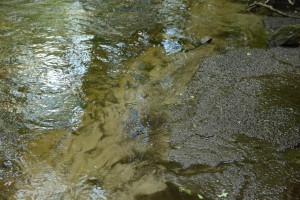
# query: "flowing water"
[[84, 86]]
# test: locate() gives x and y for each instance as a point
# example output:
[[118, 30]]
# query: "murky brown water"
[[85, 84]]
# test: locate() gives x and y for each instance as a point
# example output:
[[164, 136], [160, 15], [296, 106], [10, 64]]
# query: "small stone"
[[288, 36], [206, 40]]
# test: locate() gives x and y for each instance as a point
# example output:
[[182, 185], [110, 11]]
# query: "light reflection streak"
[[52, 73]]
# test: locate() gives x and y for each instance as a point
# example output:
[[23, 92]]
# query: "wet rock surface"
[[239, 116], [286, 36], [274, 23], [283, 31]]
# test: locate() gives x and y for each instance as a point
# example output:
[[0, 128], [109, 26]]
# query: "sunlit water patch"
[[45, 54], [50, 57], [50, 85]]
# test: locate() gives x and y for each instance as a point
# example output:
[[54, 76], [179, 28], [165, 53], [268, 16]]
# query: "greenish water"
[[85, 84]]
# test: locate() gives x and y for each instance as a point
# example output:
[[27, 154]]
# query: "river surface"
[[84, 86]]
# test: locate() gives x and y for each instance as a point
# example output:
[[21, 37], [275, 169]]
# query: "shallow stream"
[[85, 86]]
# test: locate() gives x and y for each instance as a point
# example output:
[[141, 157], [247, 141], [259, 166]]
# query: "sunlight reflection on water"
[[50, 80]]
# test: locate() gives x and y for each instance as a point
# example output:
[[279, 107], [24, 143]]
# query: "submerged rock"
[[288, 35], [283, 31], [192, 43], [205, 40]]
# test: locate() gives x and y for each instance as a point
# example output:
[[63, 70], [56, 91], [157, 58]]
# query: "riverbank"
[[237, 128]]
